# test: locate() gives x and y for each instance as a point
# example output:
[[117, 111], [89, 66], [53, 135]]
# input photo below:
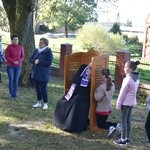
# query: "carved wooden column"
[[66, 49], [121, 58]]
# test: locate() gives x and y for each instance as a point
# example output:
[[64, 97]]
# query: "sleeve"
[[7, 56], [122, 94], [99, 94], [1, 48], [48, 60], [22, 56], [77, 78]]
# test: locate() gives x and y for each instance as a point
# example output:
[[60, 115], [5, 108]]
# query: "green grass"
[[25, 128]]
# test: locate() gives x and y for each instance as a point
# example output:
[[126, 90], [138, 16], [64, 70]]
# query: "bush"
[[133, 45], [98, 38], [44, 28], [134, 48], [131, 40]]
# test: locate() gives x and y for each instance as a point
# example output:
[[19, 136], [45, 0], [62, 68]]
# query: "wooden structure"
[[72, 64], [146, 42]]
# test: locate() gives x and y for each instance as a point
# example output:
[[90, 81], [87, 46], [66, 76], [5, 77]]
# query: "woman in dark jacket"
[[72, 110], [41, 60]]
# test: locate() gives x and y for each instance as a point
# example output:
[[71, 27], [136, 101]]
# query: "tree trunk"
[[66, 29], [20, 16]]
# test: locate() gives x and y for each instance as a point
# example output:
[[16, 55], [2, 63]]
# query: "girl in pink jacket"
[[127, 99]]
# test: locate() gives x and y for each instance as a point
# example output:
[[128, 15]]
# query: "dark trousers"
[[41, 90], [126, 112], [102, 122], [147, 126]]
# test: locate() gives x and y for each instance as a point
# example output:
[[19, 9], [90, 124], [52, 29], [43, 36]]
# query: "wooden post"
[[121, 58], [66, 49]]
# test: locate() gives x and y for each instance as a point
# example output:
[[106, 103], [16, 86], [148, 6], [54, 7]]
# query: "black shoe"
[[0, 81]]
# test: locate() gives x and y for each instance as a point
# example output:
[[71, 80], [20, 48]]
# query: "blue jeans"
[[41, 90], [13, 75]]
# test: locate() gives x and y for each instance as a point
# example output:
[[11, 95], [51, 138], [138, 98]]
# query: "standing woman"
[[41, 59], [14, 57]]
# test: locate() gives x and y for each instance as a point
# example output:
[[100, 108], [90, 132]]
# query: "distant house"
[[133, 31]]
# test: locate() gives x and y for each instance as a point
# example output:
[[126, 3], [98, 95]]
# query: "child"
[[147, 124], [103, 96], [127, 99]]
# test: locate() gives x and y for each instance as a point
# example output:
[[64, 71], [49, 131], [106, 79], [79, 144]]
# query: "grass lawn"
[[25, 128]]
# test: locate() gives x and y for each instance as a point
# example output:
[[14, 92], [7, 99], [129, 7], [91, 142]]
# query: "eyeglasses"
[[15, 39]]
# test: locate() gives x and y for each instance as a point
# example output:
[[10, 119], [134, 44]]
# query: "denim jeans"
[[13, 75], [126, 112], [41, 90]]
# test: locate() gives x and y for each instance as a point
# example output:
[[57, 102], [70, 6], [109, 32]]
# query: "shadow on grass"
[[21, 138]]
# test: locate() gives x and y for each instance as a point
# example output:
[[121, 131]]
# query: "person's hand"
[[88, 73], [36, 61], [16, 62]]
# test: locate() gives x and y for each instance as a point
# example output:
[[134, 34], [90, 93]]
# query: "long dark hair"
[[132, 64], [106, 73]]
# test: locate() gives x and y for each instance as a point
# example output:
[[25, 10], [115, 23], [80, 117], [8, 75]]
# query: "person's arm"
[[1, 48], [7, 56], [99, 94], [22, 56], [48, 60], [123, 92]]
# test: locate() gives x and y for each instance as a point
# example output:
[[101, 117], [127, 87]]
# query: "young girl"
[[147, 123], [103, 96], [127, 99]]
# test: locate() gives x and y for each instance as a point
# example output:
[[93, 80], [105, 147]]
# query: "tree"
[[115, 29], [71, 13], [129, 23], [20, 17]]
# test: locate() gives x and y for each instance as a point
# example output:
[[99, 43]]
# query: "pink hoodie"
[[127, 95], [14, 53]]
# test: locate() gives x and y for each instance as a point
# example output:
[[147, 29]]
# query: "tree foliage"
[[99, 39], [70, 14], [115, 29]]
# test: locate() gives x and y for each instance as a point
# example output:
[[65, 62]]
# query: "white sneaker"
[[45, 106], [119, 127], [112, 130], [37, 105]]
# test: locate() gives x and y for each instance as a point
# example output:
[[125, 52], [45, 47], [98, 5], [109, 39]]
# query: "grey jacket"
[[104, 97]]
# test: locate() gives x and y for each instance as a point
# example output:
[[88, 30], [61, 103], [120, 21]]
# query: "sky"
[[135, 10]]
